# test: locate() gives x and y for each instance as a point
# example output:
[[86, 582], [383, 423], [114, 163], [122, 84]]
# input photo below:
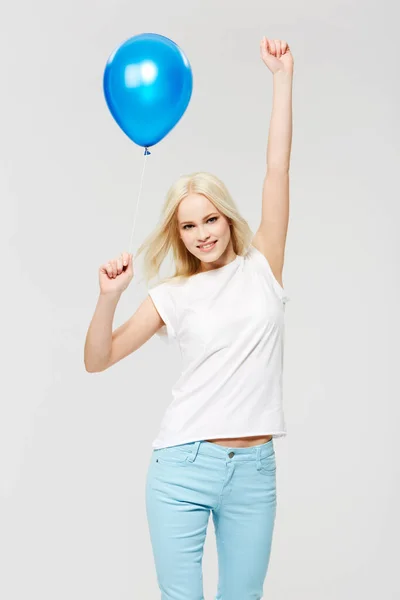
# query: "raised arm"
[[270, 238], [103, 346]]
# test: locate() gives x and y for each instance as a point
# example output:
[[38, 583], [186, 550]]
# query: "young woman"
[[224, 306]]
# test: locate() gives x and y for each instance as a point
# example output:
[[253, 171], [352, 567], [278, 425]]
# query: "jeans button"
[[231, 454]]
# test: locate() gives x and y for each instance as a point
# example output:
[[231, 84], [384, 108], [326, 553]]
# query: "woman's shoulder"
[[171, 283]]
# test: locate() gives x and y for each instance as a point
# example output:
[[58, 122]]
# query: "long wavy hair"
[[165, 236]]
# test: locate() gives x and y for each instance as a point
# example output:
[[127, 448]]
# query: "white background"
[[74, 446]]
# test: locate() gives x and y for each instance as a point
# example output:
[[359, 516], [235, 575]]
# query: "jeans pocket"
[[172, 456], [267, 465]]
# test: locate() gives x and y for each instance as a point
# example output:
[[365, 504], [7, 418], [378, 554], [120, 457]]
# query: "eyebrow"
[[205, 218]]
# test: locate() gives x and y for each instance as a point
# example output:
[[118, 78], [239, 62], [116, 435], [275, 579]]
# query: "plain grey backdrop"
[[74, 447]]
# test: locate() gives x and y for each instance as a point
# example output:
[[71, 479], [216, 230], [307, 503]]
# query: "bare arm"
[[270, 237], [104, 347]]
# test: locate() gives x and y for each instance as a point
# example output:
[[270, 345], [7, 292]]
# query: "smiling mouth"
[[207, 246]]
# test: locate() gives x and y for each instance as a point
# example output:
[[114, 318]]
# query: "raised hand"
[[276, 55], [116, 275]]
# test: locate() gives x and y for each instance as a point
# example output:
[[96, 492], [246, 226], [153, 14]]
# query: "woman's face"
[[201, 223]]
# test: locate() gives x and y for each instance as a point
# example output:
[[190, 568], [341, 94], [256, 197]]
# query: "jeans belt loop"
[[258, 456], [195, 449]]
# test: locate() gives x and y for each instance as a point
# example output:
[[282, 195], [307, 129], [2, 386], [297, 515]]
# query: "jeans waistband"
[[218, 451]]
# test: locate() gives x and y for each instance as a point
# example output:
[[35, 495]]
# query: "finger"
[[108, 269], [113, 267], [272, 47], [125, 258], [278, 48], [284, 46], [119, 265], [264, 44]]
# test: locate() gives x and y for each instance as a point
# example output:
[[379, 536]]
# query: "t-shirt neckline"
[[218, 269]]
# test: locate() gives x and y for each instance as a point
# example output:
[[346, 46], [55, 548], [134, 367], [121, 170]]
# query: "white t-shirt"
[[229, 325]]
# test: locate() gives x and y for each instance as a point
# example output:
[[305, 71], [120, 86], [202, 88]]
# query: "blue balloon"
[[147, 85]]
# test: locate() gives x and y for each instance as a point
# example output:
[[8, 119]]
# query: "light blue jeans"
[[238, 485]]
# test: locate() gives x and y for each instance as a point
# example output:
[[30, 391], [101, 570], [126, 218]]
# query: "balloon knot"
[[146, 152]]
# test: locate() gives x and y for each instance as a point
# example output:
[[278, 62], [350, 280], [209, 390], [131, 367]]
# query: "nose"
[[203, 234], [203, 240]]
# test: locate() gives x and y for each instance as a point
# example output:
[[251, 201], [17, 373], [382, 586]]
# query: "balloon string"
[[146, 154]]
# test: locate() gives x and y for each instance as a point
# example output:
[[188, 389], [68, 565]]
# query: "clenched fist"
[[276, 55], [116, 274]]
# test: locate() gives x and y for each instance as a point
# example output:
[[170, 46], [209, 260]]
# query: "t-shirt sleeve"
[[163, 300], [261, 260]]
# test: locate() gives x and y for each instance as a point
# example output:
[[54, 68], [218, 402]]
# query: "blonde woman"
[[224, 306]]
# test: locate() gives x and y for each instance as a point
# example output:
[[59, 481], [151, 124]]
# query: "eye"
[[190, 225]]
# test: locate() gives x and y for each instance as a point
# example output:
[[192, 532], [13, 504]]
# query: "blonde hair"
[[166, 235]]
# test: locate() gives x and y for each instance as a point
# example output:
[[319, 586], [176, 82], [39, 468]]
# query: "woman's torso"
[[229, 327]]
